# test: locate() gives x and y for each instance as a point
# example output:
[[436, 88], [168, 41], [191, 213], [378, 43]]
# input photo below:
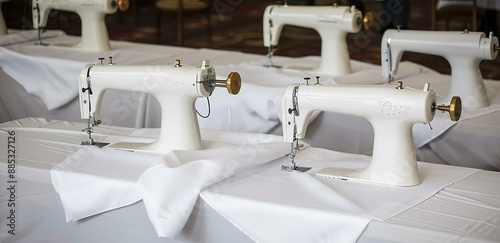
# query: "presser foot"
[[291, 168]]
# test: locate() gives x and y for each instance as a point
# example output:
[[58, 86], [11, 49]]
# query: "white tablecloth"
[[313, 209], [466, 211], [263, 195], [488, 4], [40, 215]]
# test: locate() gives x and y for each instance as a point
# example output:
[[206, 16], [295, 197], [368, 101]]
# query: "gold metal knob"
[[232, 83], [455, 108], [368, 20], [123, 5]]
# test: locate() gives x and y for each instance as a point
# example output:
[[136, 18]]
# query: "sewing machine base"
[[151, 148], [290, 168], [138, 147], [310, 70], [98, 144], [70, 45], [299, 68], [358, 176], [272, 66]]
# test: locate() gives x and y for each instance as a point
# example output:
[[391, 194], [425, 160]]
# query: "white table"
[[466, 210], [487, 4]]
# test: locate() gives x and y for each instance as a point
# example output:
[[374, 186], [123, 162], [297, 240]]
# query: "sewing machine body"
[[3, 26], [392, 113], [463, 50], [94, 35], [175, 87], [331, 22]]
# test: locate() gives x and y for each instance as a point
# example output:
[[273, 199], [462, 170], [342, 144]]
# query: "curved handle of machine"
[[232, 83], [368, 20], [455, 108]]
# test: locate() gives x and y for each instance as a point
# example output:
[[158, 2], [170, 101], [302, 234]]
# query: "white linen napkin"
[[170, 192], [94, 180], [270, 205]]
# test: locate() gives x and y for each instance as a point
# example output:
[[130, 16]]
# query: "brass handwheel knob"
[[123, 5], [368, 20], [455, 108], [233, 83]]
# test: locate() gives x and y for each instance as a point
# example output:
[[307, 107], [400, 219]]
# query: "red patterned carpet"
[[237, 25]]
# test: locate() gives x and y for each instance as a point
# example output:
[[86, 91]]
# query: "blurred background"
[[237, 25]]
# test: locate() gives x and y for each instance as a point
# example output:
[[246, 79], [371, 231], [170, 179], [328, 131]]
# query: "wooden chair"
[[180, 8], [467, 12]]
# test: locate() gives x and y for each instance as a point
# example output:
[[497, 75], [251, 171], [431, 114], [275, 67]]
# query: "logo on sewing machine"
[[394, 107], [328, 19]]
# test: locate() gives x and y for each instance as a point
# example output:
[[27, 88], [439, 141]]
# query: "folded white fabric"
[[270, 205], [94, 180], [48, 79], [170, 192]]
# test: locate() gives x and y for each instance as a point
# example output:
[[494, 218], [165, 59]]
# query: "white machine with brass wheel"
[[464, 51], [94, 35], [176, 87], [331, 22], [392, 111]]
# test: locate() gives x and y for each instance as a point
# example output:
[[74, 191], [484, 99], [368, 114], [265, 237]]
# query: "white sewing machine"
[[331, 22], [392, 111], [463, 50], [3, 27], [176, 87], [94, 35]]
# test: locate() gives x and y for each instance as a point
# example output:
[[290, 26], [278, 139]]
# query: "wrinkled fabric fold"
[[95, 180]]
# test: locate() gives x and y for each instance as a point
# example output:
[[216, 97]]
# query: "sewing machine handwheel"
[[123, 5], [368, 20], [233, 83], [455, 108]]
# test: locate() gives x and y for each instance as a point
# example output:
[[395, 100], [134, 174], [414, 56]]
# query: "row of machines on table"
[[391, 108], [464, 50]]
